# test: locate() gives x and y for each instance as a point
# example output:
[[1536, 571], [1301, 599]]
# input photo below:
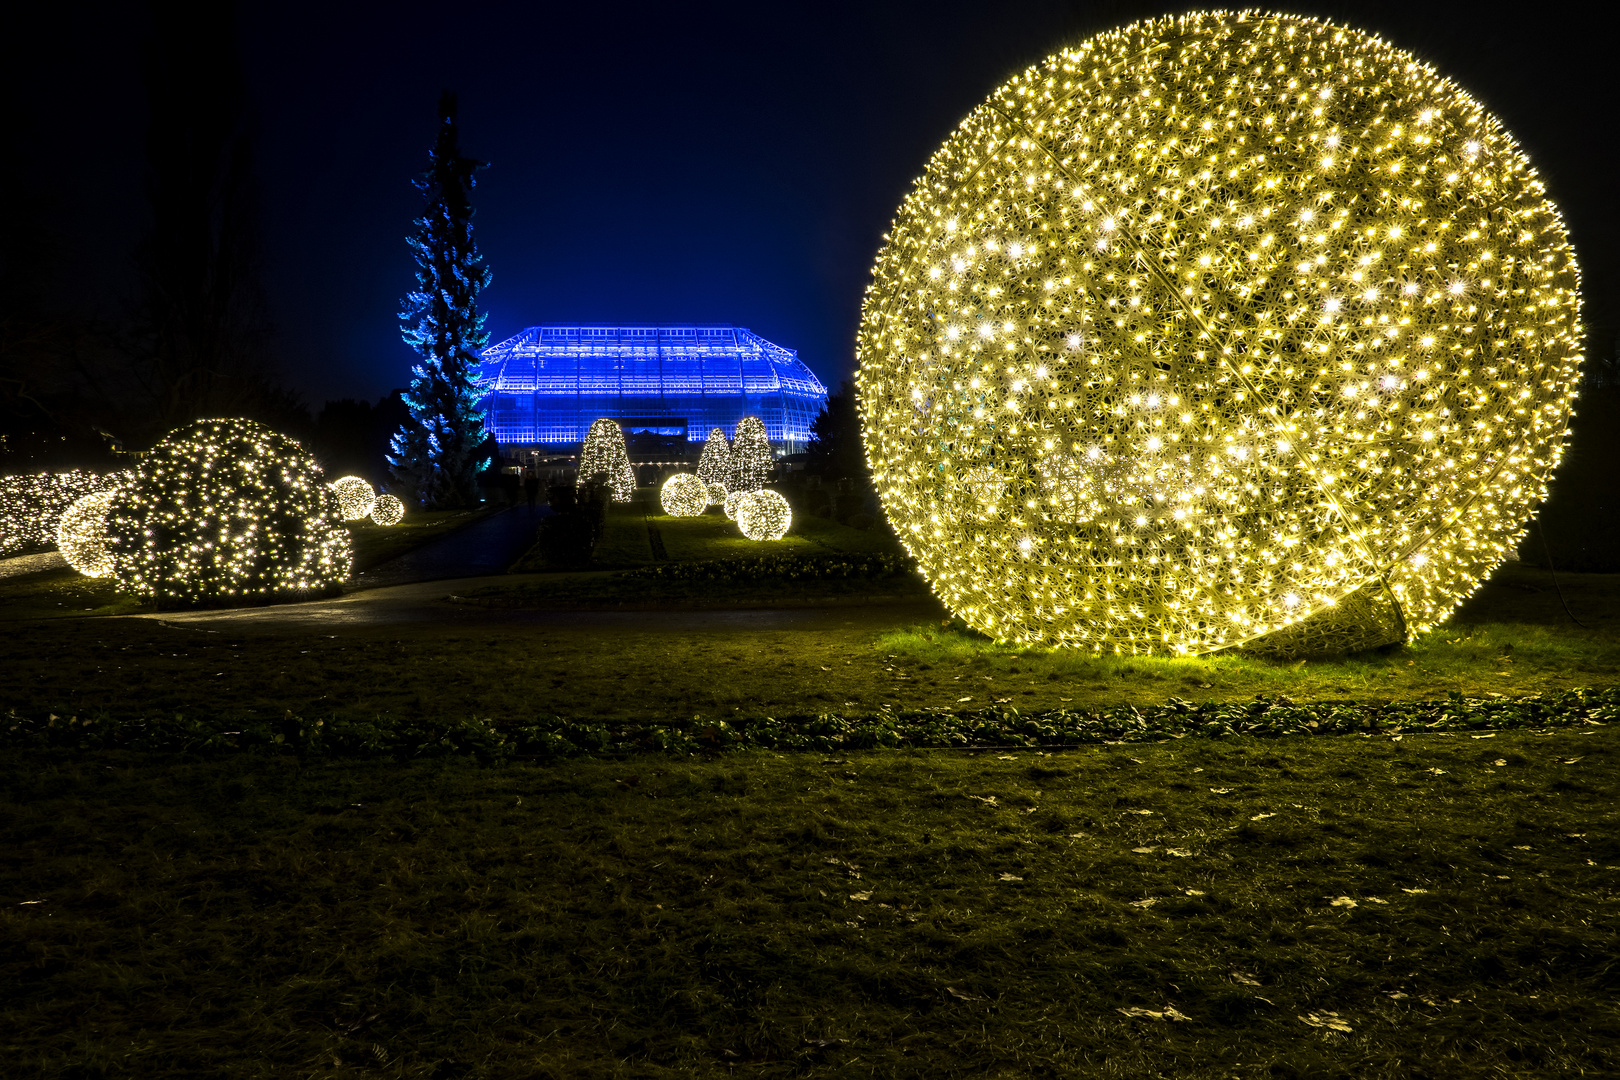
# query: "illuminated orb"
[[1217, 330], [226, 510], [387, 510], [763, 515], [31, 504], [684, 495], [81, 534], [354, 496], [604, 453], [717, 494], [732, 501]]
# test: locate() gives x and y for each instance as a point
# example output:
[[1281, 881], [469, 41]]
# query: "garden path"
[[487, 546]]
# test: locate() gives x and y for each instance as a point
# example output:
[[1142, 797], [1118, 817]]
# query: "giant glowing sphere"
[[684, 495], [81, 533], [1215, 330], [354, 496], [226, 510]]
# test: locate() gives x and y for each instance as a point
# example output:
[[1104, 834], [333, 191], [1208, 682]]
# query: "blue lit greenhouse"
[[548, 383]]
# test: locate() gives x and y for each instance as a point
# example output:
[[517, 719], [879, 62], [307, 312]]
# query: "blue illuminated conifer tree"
[[435, 455]]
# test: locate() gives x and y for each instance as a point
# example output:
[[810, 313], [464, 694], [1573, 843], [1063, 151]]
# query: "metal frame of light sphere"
[[764, 515], [1227, 329], [354, 496], [683, 495], [387, 510], [226, 510], [81, 534]]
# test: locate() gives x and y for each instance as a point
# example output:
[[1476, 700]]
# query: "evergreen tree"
[[835, 448], [437, 453], [751, 456], [605, 454], [714, 467]]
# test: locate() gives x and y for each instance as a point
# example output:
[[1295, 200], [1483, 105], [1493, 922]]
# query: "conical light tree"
[[441, 322], [604, 452], [751, 457], [714, 467]]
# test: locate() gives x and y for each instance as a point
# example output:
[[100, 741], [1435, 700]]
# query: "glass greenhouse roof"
[[545, 385]]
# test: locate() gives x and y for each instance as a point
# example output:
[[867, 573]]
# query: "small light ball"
[[81, 534], [733, 500], [764, 515], [717, 494], [684, 495], [354, 495], [387, 510], [1228, 329]]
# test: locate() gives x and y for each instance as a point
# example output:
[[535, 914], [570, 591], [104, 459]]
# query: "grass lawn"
[[1429, 907]]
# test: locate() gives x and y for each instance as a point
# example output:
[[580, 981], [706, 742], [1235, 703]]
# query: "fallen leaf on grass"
[[960, 996], [1180, 853], [1147, 812], [989, 800], [1328, 1020], [1195, 892], [1571, 761], [1414, 890], [1245, 978], [1261, 817], [1492, 735], [1438, 772], [1144, 850], [1149, 902], [1499, 762], [1375, 900], [1065, 699], [1220, 791], [1009, 877], [1006, 757], [1395, 995], [962, 699], [1340, 901], [1136, 1012], [860, 896]]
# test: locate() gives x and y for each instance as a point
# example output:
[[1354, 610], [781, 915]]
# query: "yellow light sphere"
[[1217, 330], [717, 494], [354, 496], [684, 495], [732, 501], [81, 534], [387, 510], [763, 515]]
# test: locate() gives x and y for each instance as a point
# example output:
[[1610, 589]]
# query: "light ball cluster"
[[354, 497], [1216, 330], [604, 452], [222, 510], [31, 504], [684, 495], [81, 534], [764, 515], [387, 510]]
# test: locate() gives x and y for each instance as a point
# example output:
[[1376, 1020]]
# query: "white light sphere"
[[684, 495], [354, 496], [764, 515], [732, 501], [1224, 329], [387, 510], [717, 494], [81, 534]]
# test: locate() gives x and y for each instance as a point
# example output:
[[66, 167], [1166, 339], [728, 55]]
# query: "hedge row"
[[552, 737], [760, 568]]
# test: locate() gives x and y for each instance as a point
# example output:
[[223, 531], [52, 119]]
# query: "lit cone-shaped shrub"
[[224, 510], [684, 495], [764, 515], [1226, 329], [605, 452], [714, 467], [751, 457]]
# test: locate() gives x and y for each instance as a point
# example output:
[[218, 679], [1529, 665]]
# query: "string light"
[[732, 501], [714, 467], [387, 510], [605, 452], [684, 495], [81, 534], [226, 509], [764, 515], [31, 504], [751, 457], [1216, 330], [354, 496]]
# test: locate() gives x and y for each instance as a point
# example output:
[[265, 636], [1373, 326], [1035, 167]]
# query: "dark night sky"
[[681, 162]]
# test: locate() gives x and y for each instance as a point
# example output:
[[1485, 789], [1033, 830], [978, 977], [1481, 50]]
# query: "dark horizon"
[[720, 164]]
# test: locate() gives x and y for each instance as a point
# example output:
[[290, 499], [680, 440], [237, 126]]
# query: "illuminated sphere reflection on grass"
[[1225, 329], [222, 510], [684, 495]]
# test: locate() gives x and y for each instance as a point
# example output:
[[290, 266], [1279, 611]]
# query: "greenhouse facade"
[[547, 384]]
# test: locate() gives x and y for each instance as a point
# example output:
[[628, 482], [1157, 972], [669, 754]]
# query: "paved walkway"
[[18, 565], [487, 547]]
